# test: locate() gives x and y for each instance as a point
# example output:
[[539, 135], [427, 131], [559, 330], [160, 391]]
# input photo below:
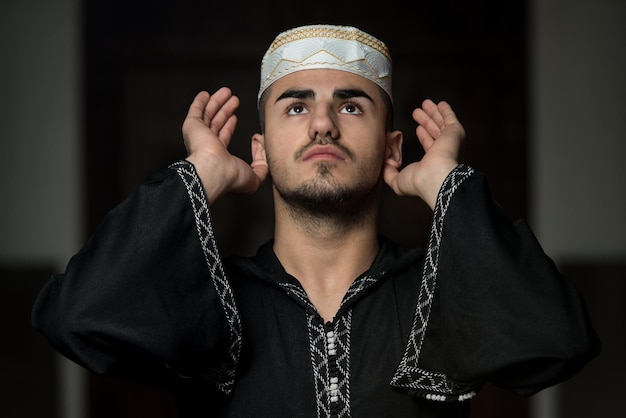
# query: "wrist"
[[212, 176], [431, 184]]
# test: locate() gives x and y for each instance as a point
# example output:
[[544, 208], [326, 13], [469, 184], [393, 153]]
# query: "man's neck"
[[325, 254]]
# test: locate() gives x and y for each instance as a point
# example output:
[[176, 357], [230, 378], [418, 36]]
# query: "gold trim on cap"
[[346, 33]]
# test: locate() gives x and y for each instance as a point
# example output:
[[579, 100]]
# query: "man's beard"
[[325, 198]]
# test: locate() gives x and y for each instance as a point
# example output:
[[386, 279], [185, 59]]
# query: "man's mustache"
[[324, 141]]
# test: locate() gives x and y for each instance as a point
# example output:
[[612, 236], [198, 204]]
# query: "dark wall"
[[146, 60]]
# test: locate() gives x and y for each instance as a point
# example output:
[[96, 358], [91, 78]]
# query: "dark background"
[[143, 62]]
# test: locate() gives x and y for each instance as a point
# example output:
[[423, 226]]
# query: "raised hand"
[[207, 132], [440, 134]]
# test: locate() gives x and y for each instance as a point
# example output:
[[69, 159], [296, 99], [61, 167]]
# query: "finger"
[[260, 170], [448, 115], [215, 103], [433, 111], [390, 175], [226, 133], [452, 123], [425, 138], [196, 109], [224, 113], [426, 122], [195, 115]]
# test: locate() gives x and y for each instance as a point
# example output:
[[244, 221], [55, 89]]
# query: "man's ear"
[[258, 149], [393, 154]]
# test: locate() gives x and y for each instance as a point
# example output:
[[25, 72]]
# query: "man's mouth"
[[323, 152]]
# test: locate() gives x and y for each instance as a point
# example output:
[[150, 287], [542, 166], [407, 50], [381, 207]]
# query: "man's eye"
[[351, 109], [296, 109]]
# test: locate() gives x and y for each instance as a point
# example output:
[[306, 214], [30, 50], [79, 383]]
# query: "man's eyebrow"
[[297, 94], [350, 93], [310, 94]]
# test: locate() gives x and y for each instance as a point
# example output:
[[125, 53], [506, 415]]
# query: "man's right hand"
[[207, 131]]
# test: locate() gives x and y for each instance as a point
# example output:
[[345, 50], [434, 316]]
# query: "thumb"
[[390, 175], [260, 170]]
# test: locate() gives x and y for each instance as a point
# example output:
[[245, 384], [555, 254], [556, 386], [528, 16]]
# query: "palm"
[[440, 135], [208, 130]]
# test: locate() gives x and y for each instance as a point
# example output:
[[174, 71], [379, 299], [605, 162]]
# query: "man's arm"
[[147, 296], [139, 293], [493, 306]]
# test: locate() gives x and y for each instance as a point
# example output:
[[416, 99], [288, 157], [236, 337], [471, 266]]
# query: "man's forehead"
[[323, 82]]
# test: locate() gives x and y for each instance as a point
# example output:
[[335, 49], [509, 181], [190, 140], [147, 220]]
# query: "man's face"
[[325, 136]]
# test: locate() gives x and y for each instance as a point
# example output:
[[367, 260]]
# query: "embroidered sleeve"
[[492, 306], [224, 377], [146, 298], [432, 385]]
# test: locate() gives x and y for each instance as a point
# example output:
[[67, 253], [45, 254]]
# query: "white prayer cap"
[[333, 47]]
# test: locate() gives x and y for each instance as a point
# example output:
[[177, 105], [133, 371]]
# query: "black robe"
[[150, 299]]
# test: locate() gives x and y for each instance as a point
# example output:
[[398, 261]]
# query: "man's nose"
[[323, 125]]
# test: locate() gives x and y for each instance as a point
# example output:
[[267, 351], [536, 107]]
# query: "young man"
[[329, 319]]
